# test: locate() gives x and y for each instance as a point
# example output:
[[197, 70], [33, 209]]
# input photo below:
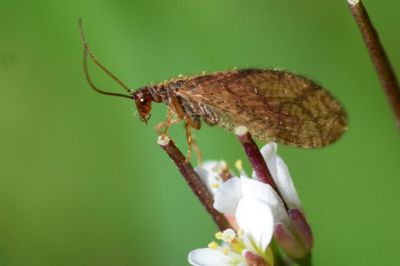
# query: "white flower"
[[210, 174], [255, 206], [236, 247], [253, 216], [233, 191], [238, 191], [214, 257]]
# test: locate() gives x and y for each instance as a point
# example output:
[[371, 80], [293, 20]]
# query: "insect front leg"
[[163, 127], [193, 120], [184, 111]]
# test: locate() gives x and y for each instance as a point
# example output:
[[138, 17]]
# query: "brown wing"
[[273, 105]]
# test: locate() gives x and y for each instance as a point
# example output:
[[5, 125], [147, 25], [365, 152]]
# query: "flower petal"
[[209, 175], [281, 176], [256, 220], [269, 150], [228, 196], [209, 257], [284, 182], [267, 195]]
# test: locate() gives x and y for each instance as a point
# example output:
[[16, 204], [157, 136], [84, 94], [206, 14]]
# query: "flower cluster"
[[235, 248], [256, 212]]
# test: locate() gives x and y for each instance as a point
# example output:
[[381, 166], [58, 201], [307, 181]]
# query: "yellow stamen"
[[223, 165], [238, 245], [225, 251], [228, 235], [215, 185], [218, 235], [218, 168], [239, 165], [213, 245]]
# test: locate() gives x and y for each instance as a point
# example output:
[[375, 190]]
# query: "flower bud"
[[288, 242], [302, 227]]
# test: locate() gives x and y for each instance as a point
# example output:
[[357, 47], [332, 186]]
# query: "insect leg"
[[193, 118], [192, 144], [191, 113], [189, 140], [162, 128], [197, 151], [184, 110], [168, 122]]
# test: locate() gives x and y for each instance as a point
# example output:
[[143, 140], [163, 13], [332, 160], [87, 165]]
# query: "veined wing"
[[273, 105]]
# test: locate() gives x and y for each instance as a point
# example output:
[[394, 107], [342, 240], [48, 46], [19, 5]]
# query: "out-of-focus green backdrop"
[[82, 180]]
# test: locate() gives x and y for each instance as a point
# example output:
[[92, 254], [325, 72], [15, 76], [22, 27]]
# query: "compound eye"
[[145, 100]]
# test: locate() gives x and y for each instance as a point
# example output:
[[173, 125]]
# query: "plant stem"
[[306, 261], [279, 258], [378, 56], [256, 160], [193, 180]]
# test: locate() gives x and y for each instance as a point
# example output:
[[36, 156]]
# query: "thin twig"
[[378, 56], [256, 160], [193, 180]]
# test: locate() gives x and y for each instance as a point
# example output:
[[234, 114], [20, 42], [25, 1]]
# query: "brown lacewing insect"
[[274, 105]]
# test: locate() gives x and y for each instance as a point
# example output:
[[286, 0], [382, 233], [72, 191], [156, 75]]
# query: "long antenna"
[[86, 52]]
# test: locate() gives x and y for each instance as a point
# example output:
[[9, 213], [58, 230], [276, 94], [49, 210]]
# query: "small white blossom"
[[255, 206], [235, 246], [215, 257], [210, 174], [237, 190]]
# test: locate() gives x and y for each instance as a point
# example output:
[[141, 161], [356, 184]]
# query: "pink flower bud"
[[288, 242], [303, 228]]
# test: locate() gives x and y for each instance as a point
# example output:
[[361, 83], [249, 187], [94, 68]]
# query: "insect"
[[274, 105]]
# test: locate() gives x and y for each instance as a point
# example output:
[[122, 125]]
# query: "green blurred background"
[[83, 182]]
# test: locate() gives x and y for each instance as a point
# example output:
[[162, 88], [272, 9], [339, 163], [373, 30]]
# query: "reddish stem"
[[193, 180], [378, 56], [255, 157]]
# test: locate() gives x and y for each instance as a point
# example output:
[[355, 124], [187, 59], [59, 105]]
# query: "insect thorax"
[[164, 91]]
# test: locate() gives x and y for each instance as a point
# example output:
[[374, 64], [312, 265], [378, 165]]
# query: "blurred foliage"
[[83, 182]]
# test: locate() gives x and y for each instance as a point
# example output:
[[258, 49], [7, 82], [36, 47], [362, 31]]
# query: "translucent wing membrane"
[[274, 105]]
